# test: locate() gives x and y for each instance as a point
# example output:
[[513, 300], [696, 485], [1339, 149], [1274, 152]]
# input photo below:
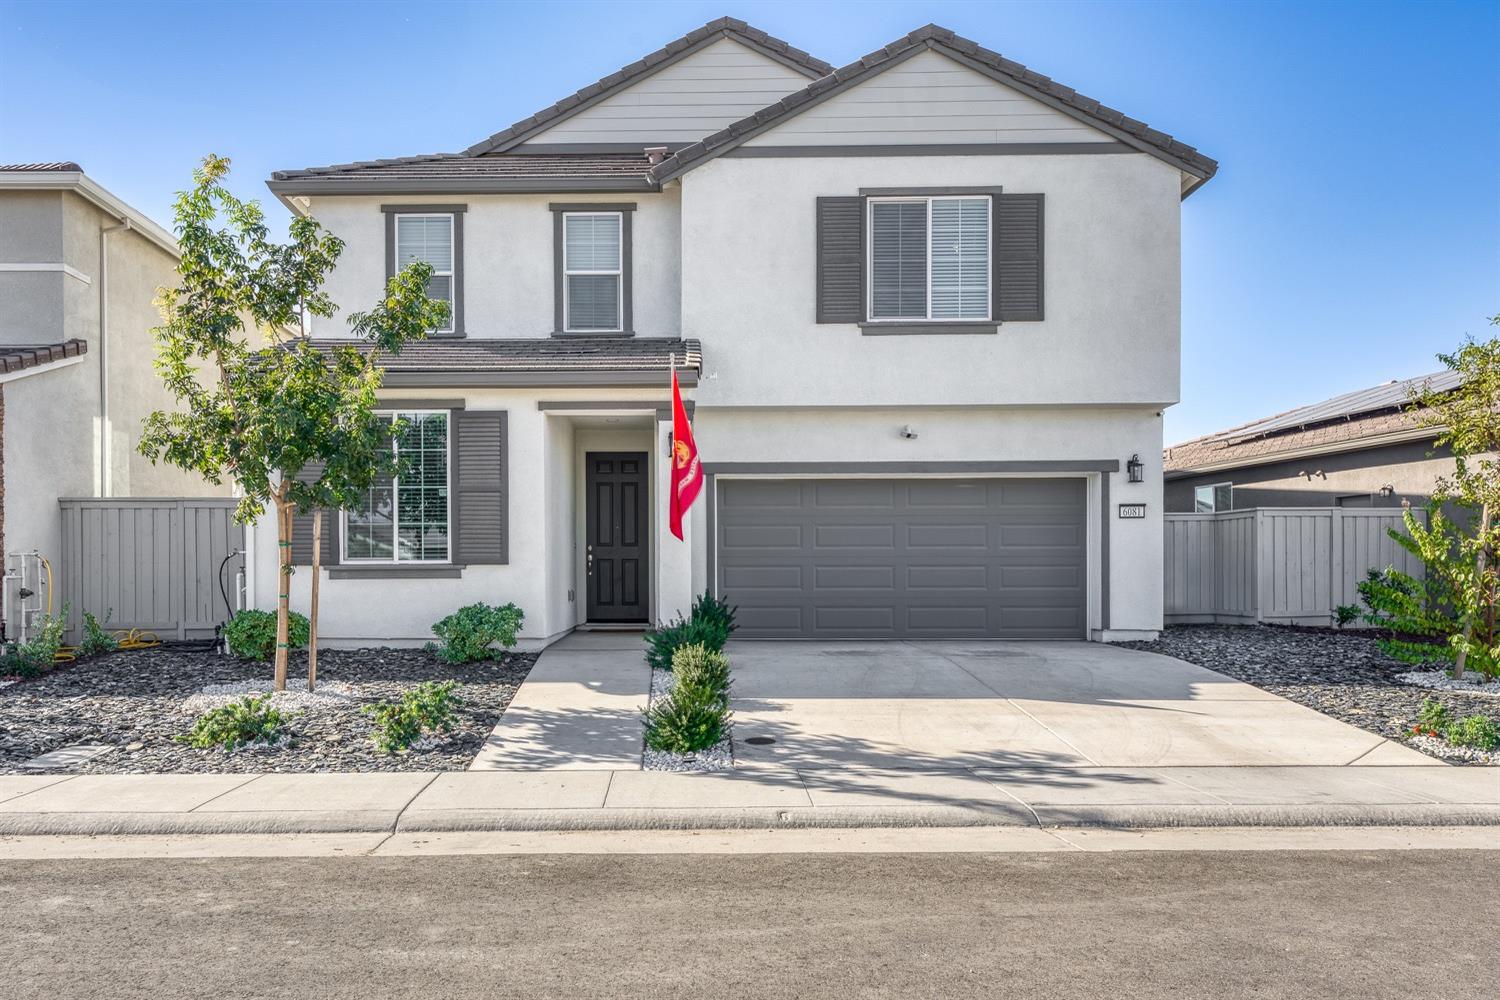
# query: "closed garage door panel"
[[904, 558]]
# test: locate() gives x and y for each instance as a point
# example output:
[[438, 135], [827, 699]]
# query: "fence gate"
[[1276, 564], [157, 563]]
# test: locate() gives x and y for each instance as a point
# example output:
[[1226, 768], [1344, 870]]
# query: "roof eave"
[[85, 186], [1308, 451], [459, 185]]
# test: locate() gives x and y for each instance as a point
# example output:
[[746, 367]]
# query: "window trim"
[[626, 211], [456, 214], [914, 324], [618, 272], [395, 562], [1213, 488]]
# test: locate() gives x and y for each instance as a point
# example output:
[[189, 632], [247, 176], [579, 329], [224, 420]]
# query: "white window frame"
[[989, 285], [451, 274], [619, 273], [1213, 489], [395, 559]]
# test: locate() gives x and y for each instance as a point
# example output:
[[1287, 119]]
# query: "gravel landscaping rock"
[[719, 757], [1343, 676], [136, 701], [1442, 680]]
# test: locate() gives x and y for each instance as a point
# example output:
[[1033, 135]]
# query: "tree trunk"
[[283, 592], [312, 617], [1480, 592]]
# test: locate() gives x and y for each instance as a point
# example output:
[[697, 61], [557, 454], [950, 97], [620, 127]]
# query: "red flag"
[[687, 471]]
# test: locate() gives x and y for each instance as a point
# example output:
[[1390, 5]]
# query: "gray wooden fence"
[[150, 563], [1275, 564]]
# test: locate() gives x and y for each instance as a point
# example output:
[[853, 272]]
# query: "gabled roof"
[[698, 38], [971, 54], [1346, 422]]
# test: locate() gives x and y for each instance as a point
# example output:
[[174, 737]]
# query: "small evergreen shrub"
[[702, 672], [249, 720], [714, 610], [665, 640], [38, 654], [469, 634], [1344, 614], [1476, 731], [252, 634], [96, 641], [695, 715], [427, 708]]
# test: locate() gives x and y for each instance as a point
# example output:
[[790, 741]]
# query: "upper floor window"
[[593, 272], [929, 258], [405, 518], [1208, 499], [429, 239]]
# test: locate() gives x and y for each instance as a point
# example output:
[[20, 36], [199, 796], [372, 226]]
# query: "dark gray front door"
[[616, 558], [904, 558]]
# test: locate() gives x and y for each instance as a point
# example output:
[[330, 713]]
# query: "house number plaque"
[[1132, 510]]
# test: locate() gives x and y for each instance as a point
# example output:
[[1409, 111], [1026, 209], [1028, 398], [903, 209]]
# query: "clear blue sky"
[[1352, 232]]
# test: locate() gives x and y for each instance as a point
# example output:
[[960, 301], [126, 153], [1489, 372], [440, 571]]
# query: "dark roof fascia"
[[965, 52], [672, 52], [453, 378], [461, 185]]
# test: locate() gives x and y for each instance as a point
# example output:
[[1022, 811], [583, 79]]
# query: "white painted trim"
[[40, 369], [927, 200], [84, 186], [67, 269]]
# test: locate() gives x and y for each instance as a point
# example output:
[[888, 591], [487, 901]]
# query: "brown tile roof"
[[18, 357], [457, 166], [933, 36], [541, 354], [60, 166]]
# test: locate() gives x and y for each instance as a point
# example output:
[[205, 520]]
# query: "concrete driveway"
[[977, 704]]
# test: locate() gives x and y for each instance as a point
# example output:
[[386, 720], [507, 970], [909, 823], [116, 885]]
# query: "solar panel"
[[1381, 397]]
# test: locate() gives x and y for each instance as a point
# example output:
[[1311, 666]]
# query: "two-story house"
[[926, 307]]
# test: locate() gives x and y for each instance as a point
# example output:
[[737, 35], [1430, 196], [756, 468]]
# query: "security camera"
[[908, 432]]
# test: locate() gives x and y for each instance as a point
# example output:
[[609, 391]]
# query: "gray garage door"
[[903, 558]]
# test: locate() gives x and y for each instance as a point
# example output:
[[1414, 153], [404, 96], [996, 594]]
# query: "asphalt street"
[[1365, 924]]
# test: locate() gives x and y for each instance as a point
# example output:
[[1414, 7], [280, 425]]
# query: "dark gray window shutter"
[[841, 260], [480, 499], [1018, 257], [302, 527]]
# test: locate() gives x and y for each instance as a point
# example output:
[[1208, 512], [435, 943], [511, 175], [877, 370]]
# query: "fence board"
[[149, 563], [1279, 564]]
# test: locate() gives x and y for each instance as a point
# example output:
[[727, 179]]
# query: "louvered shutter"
[[841, 260], [302, 527], [480, 500], [1018, 257]]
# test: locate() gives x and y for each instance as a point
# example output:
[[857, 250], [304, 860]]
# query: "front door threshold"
[[613, 626]]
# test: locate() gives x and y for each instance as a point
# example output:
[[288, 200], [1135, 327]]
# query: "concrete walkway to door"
[[988, 704], [578, 709]]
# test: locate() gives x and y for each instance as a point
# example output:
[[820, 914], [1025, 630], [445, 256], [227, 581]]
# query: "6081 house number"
[[1132, 510]]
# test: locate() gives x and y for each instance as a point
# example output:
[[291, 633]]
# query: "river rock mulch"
[[1343, 676], [719, 757], [136, 701]]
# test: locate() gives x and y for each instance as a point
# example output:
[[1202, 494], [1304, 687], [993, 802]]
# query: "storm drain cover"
[[761, 741], [65, 757]]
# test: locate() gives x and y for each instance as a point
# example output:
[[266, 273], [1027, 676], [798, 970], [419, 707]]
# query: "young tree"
[[1468, 421], [272, 407]]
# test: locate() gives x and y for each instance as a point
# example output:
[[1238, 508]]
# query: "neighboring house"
[[1360, 449], [926, 307], [79, 272]]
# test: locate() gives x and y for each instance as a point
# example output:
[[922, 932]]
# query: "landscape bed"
[[1345, 676], [136, 702]]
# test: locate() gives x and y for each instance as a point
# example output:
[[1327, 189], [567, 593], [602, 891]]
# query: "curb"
[[758, 818]]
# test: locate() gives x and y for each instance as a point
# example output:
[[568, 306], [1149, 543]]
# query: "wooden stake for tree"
[[312, 620], [1484, 550], [283, 595]]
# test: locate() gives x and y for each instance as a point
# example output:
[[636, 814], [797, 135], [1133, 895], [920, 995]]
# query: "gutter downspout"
[[105, 482]]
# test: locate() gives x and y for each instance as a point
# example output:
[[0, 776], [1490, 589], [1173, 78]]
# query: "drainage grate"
[[761, 741]]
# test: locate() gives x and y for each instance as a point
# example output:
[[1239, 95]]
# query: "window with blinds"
[[592, 272], [929, 258], [404, 518], [429, 239]]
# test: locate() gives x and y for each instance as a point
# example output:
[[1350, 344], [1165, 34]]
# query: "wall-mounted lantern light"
[[1134, 470]]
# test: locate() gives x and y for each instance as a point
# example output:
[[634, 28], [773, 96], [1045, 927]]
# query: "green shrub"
[[1475, 731], [470, 633], [665, 640], [714, 610], [38, 654], [702, 672], [249, 720], [1344, 614], [96, 641], [1433, 715], [695, 714], [426, 708], [252, 634]]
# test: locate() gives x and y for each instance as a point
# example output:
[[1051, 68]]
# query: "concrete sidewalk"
[[762, 798]]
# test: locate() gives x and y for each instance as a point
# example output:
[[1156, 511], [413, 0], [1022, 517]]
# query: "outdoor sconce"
[[1134, 470]]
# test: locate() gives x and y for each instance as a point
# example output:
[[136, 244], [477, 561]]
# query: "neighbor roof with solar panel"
[[1345, 420]]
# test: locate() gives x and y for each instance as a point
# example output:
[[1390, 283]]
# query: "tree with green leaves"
[[1467, 419], [258, 403]]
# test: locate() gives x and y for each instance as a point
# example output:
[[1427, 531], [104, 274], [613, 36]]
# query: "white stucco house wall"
[[925, 308]]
